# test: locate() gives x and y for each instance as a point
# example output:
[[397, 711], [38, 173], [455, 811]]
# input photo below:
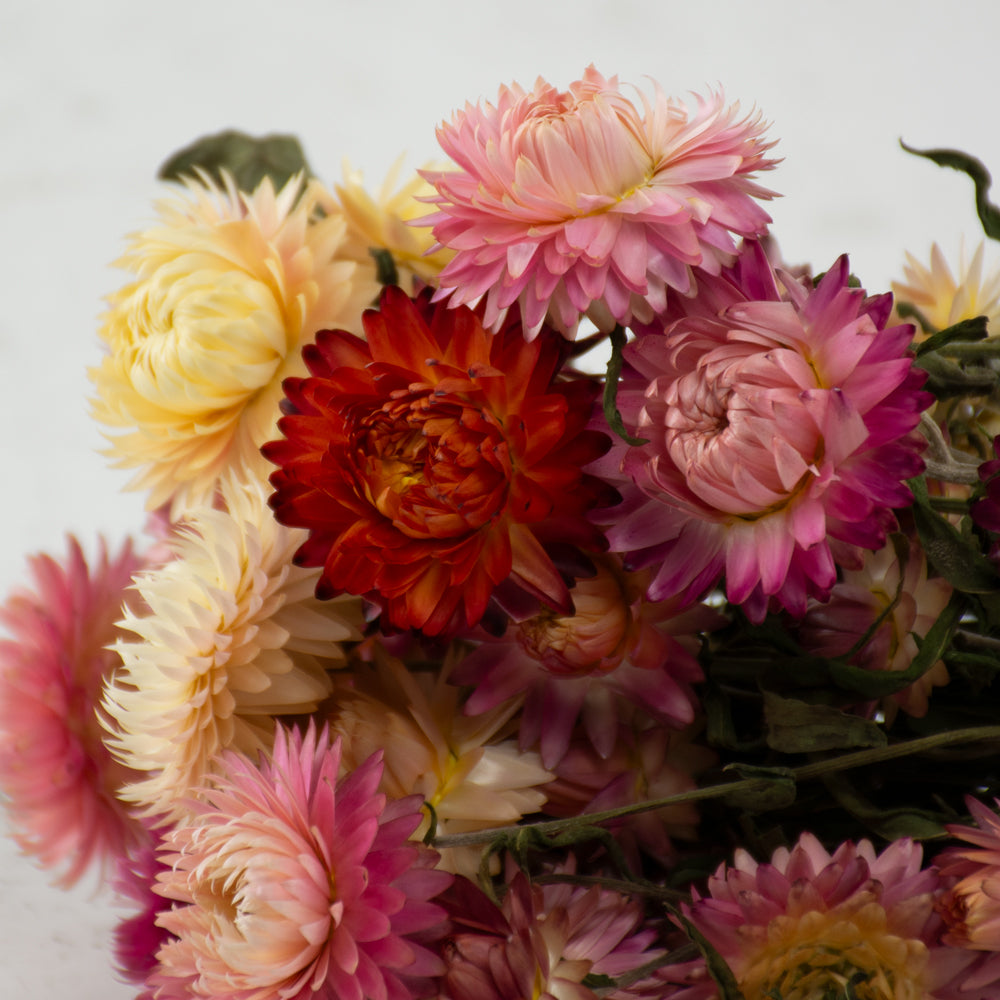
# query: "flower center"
[[436, 467], [835, 956]]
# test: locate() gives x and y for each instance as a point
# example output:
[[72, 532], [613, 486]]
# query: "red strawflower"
[[436, 463]]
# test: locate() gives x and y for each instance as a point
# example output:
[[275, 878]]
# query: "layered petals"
[[59, 780], [228, 288], [292, 882], [435, 462], [778, 421], [584, 200]]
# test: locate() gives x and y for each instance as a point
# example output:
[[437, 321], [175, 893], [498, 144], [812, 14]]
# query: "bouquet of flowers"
[[550, 593]]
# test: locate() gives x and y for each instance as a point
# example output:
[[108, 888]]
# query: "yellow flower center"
[[836, 955]]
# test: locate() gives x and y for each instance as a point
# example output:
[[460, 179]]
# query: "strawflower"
[[859, 598], [58, 778], [233, 638], [941, 299], [228, 288], [614, 646], [384, 223], [971, 908], [811, 925], [542, 943], [567, 200], [138, 938], [985, 511], [468, 770], [779, 424], [433, 464], [292, 882]]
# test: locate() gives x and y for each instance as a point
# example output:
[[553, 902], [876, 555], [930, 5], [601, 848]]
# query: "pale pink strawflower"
[[914, 603], [615, 646], [292, 882], [779, 422], [583, 200], [58, 778], [234, 638], [811, 924], [542, 943]]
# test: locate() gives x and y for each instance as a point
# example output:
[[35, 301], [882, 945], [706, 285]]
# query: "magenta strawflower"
[[59, 779], [137, 938], [542, 943], [779, 423], [614, 646], [986, 510], [564, 200], [815, 925], [291, 883]]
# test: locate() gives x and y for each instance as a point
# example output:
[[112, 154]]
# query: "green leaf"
[[888, 823], [988, 213], [611, 414], [247, 159], [797, 727], [967, 330], [956, 558], [385, 266]]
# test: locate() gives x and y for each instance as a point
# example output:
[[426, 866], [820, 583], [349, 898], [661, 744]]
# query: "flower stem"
[[745, 786]]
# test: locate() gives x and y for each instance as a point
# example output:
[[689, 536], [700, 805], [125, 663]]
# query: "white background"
[[93, 96]]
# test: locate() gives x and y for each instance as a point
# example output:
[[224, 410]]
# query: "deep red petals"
[[430, 463]]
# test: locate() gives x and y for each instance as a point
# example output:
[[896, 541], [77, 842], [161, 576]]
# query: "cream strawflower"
[[466, 770], [941, 299], [229, 288], [384, 223], [235, 636]]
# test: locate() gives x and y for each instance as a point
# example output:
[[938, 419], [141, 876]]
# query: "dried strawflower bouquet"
[[452, 668]]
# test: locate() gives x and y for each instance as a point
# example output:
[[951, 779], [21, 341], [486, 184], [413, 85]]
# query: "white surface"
[[94, 96]]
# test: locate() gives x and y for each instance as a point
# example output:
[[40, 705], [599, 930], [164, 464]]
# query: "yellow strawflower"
[[382, 223], [944, 300], [229, 287]]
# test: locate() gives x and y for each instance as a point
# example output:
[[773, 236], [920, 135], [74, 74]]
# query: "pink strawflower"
[[810, 923], [542, 943], [971, 908], [615, 646], [857, 601], [59, 779], [779, 421], [564, 200], [291, 883]]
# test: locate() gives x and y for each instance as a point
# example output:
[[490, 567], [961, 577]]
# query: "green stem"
[[807, 772], [966, 350], [949, 505]]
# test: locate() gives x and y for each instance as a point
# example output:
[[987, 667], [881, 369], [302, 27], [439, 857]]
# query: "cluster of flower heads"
[[418, 578]]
